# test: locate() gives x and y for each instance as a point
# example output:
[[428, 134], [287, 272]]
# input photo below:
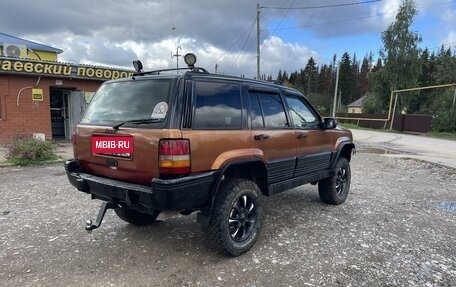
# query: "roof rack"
[[157, 72]]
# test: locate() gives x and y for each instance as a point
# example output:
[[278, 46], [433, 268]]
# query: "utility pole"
[[258, 41], [394, 111], [216, 67], [454, 97], [335, 93], [177, 57], [339, 102]]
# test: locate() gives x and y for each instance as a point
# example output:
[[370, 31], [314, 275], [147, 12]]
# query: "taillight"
[[174, 157]]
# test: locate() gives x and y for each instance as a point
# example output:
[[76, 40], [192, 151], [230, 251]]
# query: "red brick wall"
[[31, 116]]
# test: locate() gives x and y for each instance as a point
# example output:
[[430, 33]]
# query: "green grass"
[[444, 135], [351, 126]]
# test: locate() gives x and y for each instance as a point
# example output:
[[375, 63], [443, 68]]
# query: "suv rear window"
[[122, 101]]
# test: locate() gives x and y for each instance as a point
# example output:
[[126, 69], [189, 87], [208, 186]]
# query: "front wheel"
[[134, 217], [237, 217], [334, 189]]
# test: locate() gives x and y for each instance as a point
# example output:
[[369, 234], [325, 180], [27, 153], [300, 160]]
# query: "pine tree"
[[310, 76], [347, 79], [445, 69], [363, 81]]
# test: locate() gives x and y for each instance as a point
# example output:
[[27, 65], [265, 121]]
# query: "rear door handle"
[[301, 136], [260, 137]]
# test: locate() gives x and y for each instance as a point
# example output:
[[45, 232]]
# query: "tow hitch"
[[101, 213]]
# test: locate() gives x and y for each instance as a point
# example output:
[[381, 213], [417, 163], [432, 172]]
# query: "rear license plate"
[[112, 145]]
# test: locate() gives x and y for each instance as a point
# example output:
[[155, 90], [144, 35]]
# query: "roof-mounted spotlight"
[[138, 66], [190, 60]]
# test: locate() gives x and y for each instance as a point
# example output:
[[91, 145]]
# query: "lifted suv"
[[208, 143]]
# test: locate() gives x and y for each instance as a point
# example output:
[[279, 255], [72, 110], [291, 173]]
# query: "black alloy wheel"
[[237, 217], [335, 189], [242, 218], [341, 180]]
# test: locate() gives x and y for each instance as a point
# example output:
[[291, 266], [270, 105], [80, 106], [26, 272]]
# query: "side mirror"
[[330, 123]]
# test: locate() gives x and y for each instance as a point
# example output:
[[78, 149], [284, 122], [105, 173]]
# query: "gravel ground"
[[393, 230]]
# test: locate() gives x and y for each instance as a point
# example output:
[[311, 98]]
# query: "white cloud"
[[449, 18], [449, 40], [116, 32], [277, 55], [387, 11]]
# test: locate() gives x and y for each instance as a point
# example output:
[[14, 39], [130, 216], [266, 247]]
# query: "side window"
[[302, 115], [267, 111], [217, 105], [256, 113]]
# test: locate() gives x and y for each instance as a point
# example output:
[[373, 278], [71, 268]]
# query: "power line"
[[232, 45], [294, 8], [358, 18], [283, 17], [173, 27], [243, 46], [322, 6], [172, 14]]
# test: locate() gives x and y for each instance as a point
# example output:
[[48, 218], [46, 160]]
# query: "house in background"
[[356, 107]]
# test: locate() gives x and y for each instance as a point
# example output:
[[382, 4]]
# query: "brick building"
[[40, 96]]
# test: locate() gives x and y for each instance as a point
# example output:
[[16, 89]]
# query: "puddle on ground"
[[376, 151], [449, 206]]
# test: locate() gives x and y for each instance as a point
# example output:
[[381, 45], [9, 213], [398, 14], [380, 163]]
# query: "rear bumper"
[[174, 194]]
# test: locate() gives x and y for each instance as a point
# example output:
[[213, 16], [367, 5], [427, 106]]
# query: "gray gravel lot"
[[394, 230]]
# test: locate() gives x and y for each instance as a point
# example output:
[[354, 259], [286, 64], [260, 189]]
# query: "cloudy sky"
[[222, 32]]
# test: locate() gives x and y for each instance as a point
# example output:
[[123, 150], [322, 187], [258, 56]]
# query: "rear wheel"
[[237, 217], [334, 189], [134, 217]]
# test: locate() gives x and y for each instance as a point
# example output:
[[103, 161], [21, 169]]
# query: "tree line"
[[358, 78], [401, 64]]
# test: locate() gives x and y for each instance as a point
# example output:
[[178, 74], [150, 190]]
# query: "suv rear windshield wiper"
[[138, 122]]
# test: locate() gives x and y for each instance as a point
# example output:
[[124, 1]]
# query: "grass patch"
[[30, 151], [445, 135], [350, 126]]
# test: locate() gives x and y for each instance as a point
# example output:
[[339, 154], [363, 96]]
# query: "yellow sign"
[[37, 95], [61, 69]]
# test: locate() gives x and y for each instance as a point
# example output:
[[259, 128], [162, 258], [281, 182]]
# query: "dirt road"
[[397, 228], [440, 151]]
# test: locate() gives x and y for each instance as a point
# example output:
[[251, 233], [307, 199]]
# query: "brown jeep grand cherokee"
[[208, 143]]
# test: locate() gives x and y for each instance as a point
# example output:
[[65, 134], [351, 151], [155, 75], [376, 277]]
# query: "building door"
[[76, 107], [59, 108], [67, 107]]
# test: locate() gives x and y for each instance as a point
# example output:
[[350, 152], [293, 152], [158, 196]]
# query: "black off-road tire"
[[134, 217], [237, 217], [334, 189]]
